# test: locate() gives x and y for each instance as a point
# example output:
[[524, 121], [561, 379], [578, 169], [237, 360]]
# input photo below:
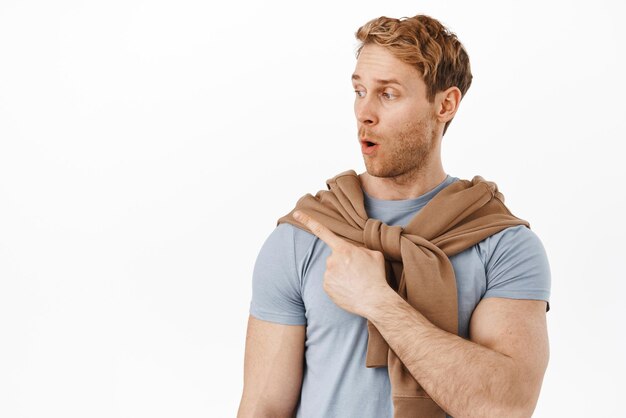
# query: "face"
[[392, 110]]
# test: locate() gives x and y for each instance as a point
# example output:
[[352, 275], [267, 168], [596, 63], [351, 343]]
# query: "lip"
[[368, 150], [365, 139]]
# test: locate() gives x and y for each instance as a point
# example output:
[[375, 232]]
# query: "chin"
[[376, 172]]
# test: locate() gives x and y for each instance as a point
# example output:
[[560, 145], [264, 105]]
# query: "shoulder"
[[287, 237], [276, 281], [516, 264], [287, 247], [516, 242]]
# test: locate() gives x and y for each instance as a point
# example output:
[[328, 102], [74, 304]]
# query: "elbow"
[[523, 411], [519, 401], [523, 393], [520, 406], [526, 407]]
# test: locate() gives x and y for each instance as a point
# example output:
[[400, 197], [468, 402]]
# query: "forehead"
[[377, 63]]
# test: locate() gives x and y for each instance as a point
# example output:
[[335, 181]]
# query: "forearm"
[[464, 378]]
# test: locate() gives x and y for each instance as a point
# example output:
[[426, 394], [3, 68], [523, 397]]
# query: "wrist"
[[380, 304]]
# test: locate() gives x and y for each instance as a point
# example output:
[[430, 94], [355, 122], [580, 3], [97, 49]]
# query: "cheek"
[[404, 115], [402, 121]]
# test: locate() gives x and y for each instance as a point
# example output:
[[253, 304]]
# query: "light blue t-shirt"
[[287, 289]]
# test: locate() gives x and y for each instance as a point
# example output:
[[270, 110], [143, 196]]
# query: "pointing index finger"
[[322, 232]]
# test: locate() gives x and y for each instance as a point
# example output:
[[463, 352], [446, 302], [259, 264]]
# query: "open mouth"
[[368, 147]]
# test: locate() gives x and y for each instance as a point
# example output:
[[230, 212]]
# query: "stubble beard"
[[406, 154]]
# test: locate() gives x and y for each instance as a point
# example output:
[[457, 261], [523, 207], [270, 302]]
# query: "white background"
[[147, 149]]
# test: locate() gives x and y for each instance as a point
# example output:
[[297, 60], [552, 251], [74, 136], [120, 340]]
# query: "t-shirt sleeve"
[[276, 287], [517, 265]]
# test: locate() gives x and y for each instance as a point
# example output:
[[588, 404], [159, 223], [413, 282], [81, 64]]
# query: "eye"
[[389, 96], [360, 93]]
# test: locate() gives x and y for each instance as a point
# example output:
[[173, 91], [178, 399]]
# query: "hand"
[[355, 277]]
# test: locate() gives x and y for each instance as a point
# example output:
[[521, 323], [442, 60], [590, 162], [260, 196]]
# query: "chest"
[[326, 318]]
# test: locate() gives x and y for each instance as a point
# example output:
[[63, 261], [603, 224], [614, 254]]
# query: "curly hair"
[[426, 44]]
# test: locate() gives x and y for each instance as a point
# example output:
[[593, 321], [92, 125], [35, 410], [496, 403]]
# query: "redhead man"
[[324, 299]]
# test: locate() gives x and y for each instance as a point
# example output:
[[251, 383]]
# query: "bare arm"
[[498, 372], [272, 369]]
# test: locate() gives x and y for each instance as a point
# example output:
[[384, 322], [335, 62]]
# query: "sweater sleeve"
[[516, 265], [276, 288]]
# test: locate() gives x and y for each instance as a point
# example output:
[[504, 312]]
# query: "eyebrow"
[[356, 77]]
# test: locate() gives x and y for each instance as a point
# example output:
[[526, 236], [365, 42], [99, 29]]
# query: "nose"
[[365, 110]]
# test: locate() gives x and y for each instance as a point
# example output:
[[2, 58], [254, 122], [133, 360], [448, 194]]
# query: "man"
[[315, 291]]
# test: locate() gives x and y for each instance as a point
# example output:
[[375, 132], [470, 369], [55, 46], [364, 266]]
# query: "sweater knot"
[[379, 236]]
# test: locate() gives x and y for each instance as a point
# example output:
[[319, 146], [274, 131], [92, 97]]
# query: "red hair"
[[426, 44]]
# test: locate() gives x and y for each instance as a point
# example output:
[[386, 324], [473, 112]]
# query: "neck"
[[408, 185]]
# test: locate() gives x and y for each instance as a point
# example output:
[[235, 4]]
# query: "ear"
[[447, 103]]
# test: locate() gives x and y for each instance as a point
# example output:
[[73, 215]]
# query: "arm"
[[272, 369], [498, 372]]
